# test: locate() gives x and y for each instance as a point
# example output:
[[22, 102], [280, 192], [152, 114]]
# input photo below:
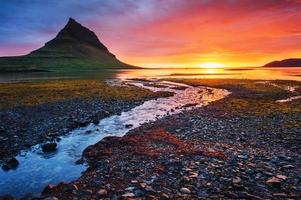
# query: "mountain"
[[75, 48], [292, 62]]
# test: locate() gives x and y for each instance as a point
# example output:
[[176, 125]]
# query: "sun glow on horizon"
[[211, 65]]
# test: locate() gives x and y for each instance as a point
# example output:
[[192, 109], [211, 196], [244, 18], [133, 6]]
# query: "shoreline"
[[51, 113]]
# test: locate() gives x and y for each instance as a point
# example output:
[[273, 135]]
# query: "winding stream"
[[38, 169]]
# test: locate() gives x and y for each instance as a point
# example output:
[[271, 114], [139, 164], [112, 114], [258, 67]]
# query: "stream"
[[38, 169]]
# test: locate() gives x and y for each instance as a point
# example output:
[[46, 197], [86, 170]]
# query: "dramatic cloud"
[[163, 33]]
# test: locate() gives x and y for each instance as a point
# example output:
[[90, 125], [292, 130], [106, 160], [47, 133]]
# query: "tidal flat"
[[41, 111], [244, 146]]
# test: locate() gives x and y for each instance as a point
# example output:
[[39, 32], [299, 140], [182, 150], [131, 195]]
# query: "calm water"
[[246, 73], [38, 169], [243, 73]]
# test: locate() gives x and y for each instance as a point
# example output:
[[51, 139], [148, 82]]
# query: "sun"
[[211, 65]]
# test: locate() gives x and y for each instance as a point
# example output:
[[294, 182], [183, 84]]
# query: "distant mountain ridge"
[[291, 62], [75, 48]]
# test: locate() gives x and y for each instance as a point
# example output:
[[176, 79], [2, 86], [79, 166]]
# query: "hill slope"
[[292, 62], [75, 48]]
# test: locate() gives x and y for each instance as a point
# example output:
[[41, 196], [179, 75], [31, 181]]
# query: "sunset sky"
[[163, 33]]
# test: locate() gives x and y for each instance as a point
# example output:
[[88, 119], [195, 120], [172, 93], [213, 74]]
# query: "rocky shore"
[[227, 150], [45, 119]]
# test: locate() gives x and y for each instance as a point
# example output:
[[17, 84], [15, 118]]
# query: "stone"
[[48, 189], [236, 180], [143, 185], [193, 175], [7, 197], [282, 177], [129, 125], [134, 181], [185, 190], [149, 190], [49, 147], [102, 192], [74, 187], [51, 198], [164, 196], [287, 167], [274, 181], [279, 195], [130, 188], [128, 195], [12, 163], [138, 193]]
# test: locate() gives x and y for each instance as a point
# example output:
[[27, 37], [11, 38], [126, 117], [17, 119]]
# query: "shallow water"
[[291, 89], [38, 169]]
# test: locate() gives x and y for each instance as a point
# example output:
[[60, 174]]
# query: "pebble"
[[274, 181], [12, 163], [128, 195], [236, 180], [51, 198], [129, 125], [282, 177], [102, 192], [185, 190], [280, 195]]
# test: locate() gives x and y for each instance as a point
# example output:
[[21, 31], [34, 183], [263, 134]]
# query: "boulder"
[[49, 147], [12, 163]]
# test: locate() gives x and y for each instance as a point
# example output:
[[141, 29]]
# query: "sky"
[[163, 33]]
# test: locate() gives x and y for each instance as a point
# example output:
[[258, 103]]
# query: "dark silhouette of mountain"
[[292, 62], [75, 48]]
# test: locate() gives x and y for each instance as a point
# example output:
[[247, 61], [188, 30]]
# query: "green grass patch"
[[34, 93]]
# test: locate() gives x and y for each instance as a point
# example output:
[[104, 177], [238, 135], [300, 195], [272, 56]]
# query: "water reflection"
[[243, 73], [236, 73]]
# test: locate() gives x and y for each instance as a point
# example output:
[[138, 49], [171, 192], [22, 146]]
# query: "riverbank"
[[37, 112], [245, 146]]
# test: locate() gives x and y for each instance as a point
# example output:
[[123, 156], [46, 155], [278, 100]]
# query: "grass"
[[34, 93], [66, 57]]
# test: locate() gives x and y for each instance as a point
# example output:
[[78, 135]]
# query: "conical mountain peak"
[[74, 48], [74, 31]]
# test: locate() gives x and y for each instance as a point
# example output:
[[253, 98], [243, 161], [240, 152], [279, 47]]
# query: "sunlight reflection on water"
[[233, 73]]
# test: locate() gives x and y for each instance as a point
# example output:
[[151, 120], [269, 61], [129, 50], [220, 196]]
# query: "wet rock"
[[12, 163], [7, 197], [51, 198], [49, 147], [48, 189], [74, 187], [129, 125], [185, 190]]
